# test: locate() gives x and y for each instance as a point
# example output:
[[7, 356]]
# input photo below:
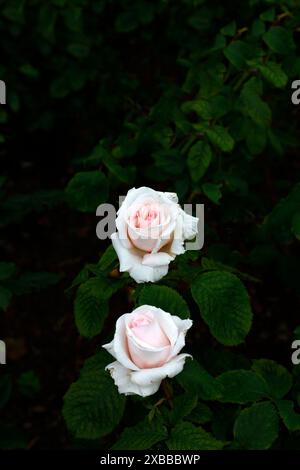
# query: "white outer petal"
[[147, 377], [190, 226], [183, 326], [122, 379], [157, 259]]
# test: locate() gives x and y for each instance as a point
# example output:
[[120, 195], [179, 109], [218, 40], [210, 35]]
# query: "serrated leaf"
[[142, 436], [186, 436], [274, 74], [242, 386], [91, 307], [92, 406], [220, 137], [199, 158], [257, 427], [224, 306], [165, 298], [87, 190], [196, 380], [288, 415], [278, 379]]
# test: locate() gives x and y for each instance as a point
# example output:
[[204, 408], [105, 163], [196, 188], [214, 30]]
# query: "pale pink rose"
[[151, 230], [146, 346]]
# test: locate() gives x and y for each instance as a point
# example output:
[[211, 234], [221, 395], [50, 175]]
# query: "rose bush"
[[146, 346], [151, 230]]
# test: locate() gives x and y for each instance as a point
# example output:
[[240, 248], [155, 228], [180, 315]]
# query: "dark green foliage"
[[193, 97]]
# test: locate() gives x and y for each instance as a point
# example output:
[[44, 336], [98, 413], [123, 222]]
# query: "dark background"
[[78, 72]]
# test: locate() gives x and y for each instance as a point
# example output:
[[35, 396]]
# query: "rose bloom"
[[151, 230], [146, 346]]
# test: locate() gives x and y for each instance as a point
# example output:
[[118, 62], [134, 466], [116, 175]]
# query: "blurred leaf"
[[5, 389], [29, 383], [87, 190], [212, 191], [7, 270], [279, 40], [5, 298], [199, 159]]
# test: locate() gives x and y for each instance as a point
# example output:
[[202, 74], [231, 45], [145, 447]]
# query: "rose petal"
[[157, 259], [122, 379], [118, 347], [183, 326], [146, 377]]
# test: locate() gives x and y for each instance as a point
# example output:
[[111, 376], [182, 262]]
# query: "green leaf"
[[142, 436], [124, 173], [258, 28], [274, 74], [29, 383], [186, 436], [268, 15], [296, 225], [257, 427], [253, 106], [33, 282], [279, 222], [93, 406], [196, 380], [220, 137], [201, 414], [237, 53], [278, 379], [256, 138], [290, 418], [7, 270], [279, 40], [242, 386], [87, 190], [107, 260], [183, 405], [5, 298], [91, 307], [229, 29], [5, 389], [212, 191], [165, 298], [199, 158], [224, 306]]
